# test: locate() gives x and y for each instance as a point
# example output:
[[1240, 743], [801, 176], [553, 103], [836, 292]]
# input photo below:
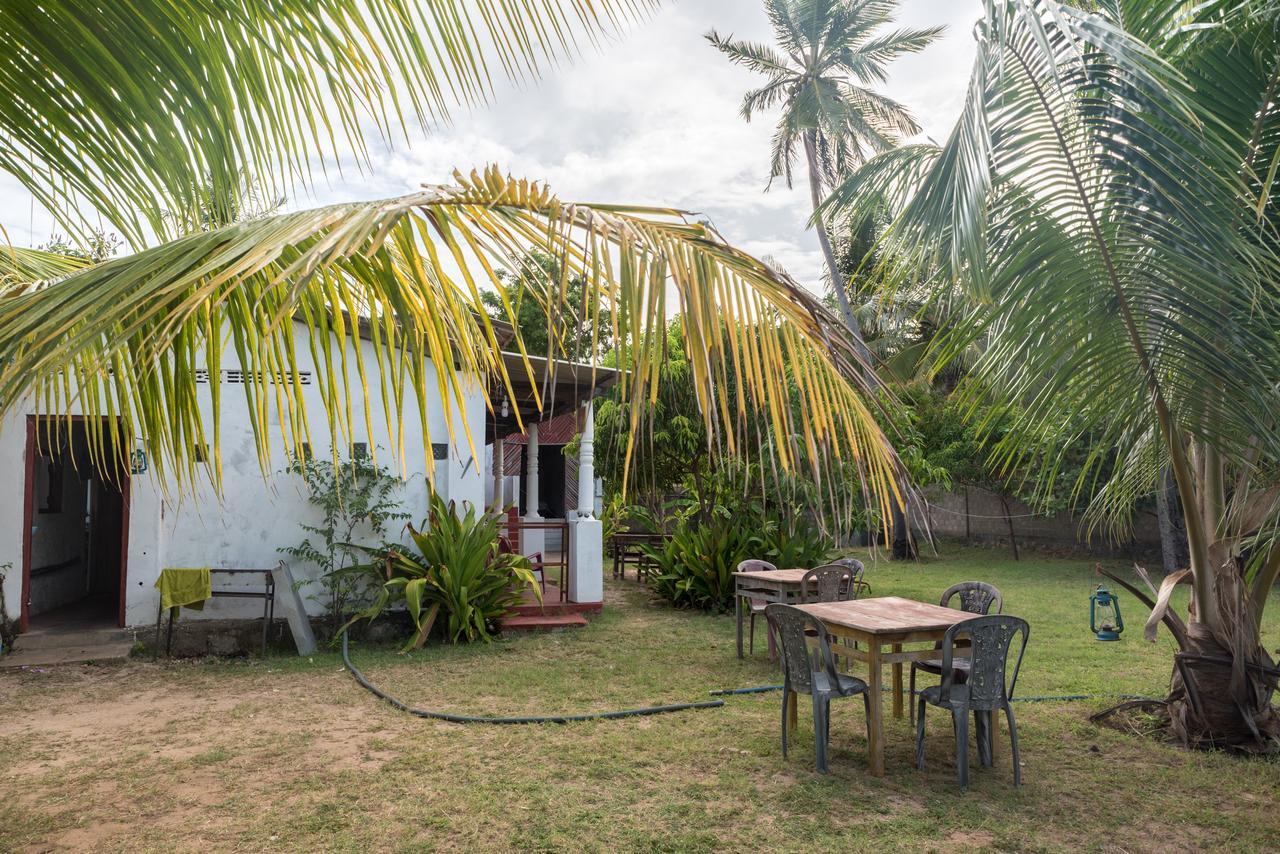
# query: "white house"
[[86, 548]]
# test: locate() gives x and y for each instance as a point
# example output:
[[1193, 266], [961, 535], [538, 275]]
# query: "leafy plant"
[[456, 572], [8, 627], [357, 501], [695, 565]]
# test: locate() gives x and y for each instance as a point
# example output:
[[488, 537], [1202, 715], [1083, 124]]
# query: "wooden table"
[[886, 621], [778, 585]]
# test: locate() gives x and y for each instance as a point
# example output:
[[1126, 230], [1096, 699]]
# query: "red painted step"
[[542, 622]]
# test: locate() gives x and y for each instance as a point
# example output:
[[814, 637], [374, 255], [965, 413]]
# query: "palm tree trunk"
[[1173, 529], [824, 240]]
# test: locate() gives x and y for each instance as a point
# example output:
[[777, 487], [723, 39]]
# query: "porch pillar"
[[499, 453], [586, 533], [532, 540]]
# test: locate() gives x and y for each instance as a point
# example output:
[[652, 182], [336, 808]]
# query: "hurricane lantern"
[[1104, 615]]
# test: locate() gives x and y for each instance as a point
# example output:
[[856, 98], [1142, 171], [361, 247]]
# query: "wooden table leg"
[[793, 711], [737, 618], [876, 724], [897, 684]]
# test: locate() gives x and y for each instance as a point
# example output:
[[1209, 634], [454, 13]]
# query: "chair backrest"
[[990, 641], [976, 597], [789, 624], [754, 565], [830, 583], [854, 565]]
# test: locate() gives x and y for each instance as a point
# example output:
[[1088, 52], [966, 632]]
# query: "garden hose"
[[1059, 698], [530, 719]]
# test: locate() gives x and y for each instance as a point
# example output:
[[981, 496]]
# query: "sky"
[[648, 117]]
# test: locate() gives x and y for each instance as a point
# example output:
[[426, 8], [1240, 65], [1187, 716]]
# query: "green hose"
[[1059, 698], [530, 719]]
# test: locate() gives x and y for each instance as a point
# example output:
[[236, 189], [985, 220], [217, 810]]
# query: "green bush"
[[695, 566], [454, 574]]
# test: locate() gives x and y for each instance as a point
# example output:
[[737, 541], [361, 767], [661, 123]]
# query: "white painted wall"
[[253, 518]]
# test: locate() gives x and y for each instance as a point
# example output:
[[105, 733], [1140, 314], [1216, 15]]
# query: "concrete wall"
[[253, 518], [982, 520]]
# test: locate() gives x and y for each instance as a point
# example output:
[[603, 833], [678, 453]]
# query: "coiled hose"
[[529, 719]]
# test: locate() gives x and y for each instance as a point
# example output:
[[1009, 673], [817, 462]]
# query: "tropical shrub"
[[695, 566], [453, 573]]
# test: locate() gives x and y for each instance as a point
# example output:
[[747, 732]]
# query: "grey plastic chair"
[[975, 597], [832, 582], [987, 690], [756, 606], [860, 586], [819, 677]]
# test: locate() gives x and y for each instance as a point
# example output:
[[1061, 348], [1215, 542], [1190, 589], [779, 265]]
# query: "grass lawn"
[[289, 754]]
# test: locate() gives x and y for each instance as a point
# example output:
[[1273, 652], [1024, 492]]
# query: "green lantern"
[[1104, 615]]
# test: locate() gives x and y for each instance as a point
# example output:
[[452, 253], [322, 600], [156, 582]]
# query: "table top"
[[887, 615], [781, 576]]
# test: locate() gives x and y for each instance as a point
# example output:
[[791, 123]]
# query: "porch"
[[550, 498]]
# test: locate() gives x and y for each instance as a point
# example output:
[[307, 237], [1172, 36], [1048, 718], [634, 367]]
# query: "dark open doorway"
[[76, 537], [551, 473]]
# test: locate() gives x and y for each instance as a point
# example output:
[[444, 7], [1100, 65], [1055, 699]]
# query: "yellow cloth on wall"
[[184, 587]]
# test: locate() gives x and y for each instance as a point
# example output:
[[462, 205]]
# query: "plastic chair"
[[832, 582], [976, 597], [756, 606], [820, 678], [985, 691], [860, 585]]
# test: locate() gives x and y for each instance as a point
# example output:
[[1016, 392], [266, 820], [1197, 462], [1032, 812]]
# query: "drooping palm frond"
[[126, 337], [128, 109]]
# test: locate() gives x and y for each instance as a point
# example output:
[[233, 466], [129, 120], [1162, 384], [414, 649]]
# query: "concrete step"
[[73, 654], [61, 638], [542, 623], [552, 608]]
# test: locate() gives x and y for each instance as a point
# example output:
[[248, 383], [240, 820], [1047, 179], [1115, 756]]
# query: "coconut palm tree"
[[146, 116], [829, 54], [1106, 204]]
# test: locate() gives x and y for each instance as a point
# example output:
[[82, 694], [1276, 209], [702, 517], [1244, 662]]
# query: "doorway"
[[76, 538]]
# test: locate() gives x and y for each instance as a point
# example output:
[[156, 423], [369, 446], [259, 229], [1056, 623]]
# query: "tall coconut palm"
[[1106, 202], [146, 115], [829, 55]]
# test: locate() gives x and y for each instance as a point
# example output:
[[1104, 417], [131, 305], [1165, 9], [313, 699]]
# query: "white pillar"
[[532, 540], [587, 465], [586, 533]]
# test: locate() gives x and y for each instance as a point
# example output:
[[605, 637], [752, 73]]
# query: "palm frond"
[[128, 109], [22, 268], [126, 337]]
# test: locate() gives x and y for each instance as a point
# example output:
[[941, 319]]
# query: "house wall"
[[253, 518]]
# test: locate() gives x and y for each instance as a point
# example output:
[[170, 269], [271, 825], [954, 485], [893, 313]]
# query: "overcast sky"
[[649, 118]]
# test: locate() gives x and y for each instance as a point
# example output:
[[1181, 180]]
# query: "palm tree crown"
[[829, 53], [827, 58]]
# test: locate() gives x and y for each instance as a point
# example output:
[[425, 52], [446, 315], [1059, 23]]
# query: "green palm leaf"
[[132, 109]]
